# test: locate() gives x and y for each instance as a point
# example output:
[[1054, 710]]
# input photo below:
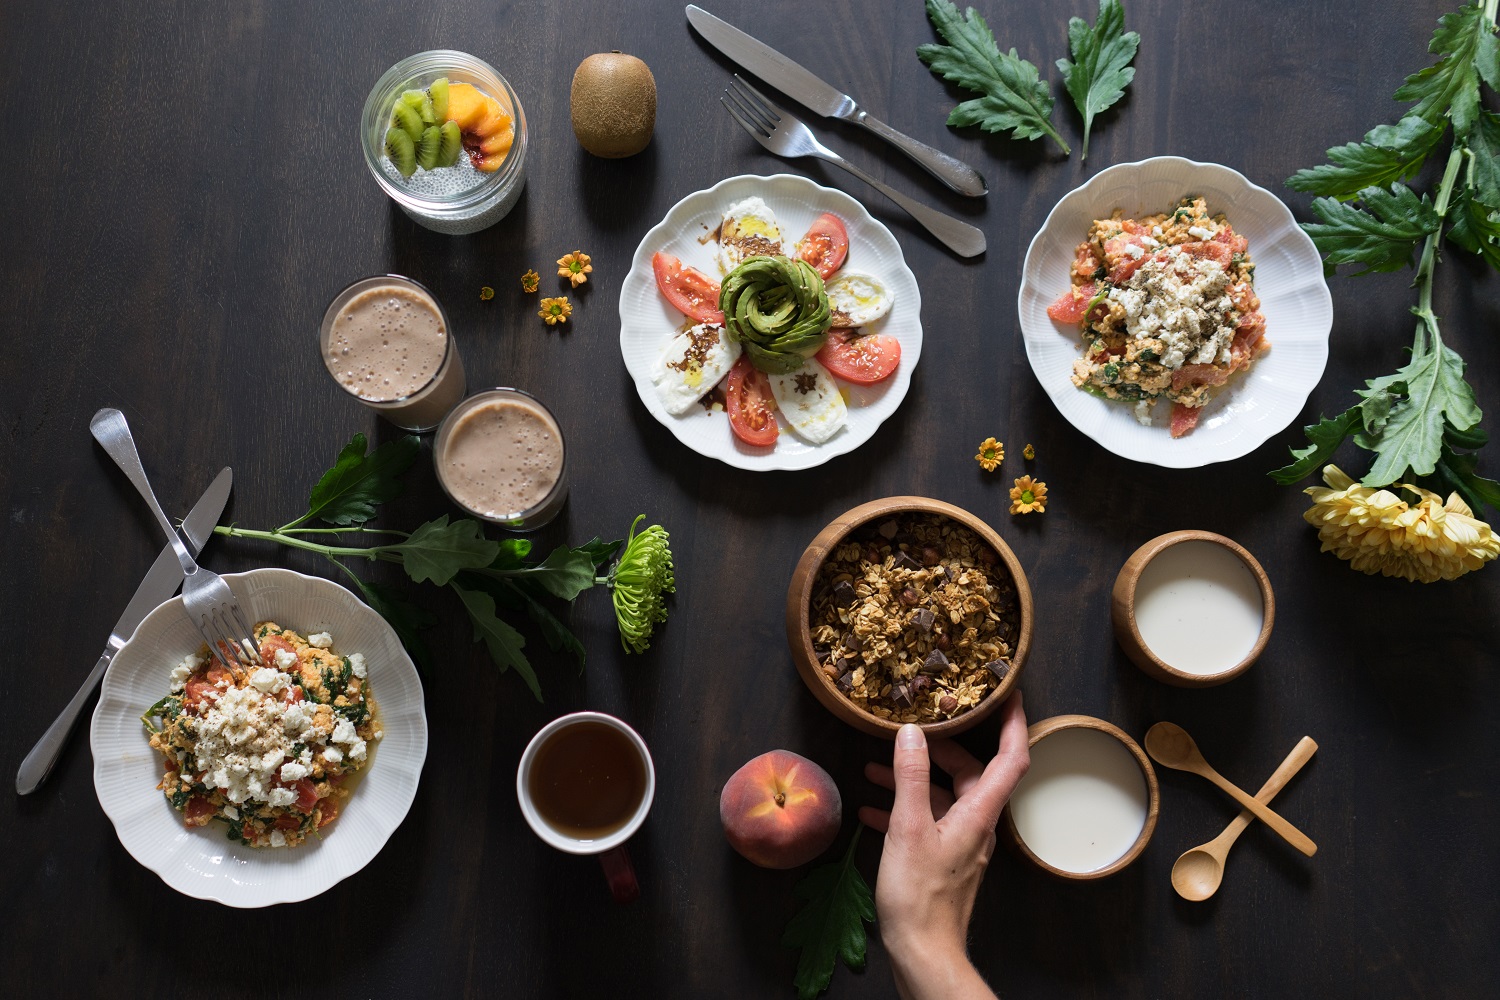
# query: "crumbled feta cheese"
[[183, 671], [344, 732], [357, 750], [1200, 232], [281, 797], [1147, 241], [1135, 251], [1143, 412], [379, 734], [293, 772], [286, 659], [320, 640], [357, 665], [333, 755], [231, 812], [278, 839], [1180, 300], [296, 719], [269, 681], [1156, 230]]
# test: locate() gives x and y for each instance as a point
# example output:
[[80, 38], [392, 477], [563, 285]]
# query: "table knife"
[[160, 582], [816, 95]]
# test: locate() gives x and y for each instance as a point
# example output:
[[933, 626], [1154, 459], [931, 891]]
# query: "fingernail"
[[911, 737]]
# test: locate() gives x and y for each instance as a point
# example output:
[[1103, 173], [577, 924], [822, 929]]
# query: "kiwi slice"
[[406, 118], [401, 150], [428, 147], [451, 146], [437, 91], [421, 104]]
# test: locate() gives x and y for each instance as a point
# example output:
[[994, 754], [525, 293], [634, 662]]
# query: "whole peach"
[[780, 810]]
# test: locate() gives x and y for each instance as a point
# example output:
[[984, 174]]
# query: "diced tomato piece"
[[1243, 297], [690, 291], [307, 794], [199, 692], [1084, 261], [1219, 253], [291, 694], [1249, 336], [1232, 239], [1184, 418], [751, 407], [1071, 305], [286, 821], [1120, 261], [273, 644], [1134, 228], [328, 812], [1189, 375], [826, 245], [198, 811], [863, 360]]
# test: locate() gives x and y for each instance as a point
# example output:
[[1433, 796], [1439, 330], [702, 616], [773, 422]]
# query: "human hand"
[[937, 846]]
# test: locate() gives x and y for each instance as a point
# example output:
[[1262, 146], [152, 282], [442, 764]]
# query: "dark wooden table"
[[185, 192]]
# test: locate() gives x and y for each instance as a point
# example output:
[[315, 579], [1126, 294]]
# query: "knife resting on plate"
[[160, 582], [810, 90]]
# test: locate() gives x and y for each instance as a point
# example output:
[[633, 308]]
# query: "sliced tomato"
[[273, 644], [286, 821], [1071, 305], [1249, 337], [863, 360], [826, 245], [1084, 261], [328, 812], [307, 794], [1219, 253], [752, 408], [1184, 418], [690, 291], [1121, 263], [199, 692], [198, 811], [1198, 375], [1232, 239]]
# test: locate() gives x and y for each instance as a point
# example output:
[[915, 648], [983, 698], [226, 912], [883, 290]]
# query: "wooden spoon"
[[1197, 873], [1170, 746]]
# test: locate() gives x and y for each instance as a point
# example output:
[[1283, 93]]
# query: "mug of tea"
[[585, 784]]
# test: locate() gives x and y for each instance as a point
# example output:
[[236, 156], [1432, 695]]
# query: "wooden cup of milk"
[[1192, 608], [1088, 805]]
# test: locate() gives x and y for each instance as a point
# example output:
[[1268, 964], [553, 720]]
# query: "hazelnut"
[[947, 703], [910, 597]]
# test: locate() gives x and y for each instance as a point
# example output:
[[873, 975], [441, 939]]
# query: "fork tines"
[[752, 109], [219, 628]]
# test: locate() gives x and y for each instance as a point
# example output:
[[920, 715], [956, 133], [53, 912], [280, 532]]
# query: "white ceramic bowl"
[[203, 862], [648, 321], [1288, 278]]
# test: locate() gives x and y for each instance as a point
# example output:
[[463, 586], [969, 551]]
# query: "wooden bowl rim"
[[799, 607], [1038, 731], [1155, 547]]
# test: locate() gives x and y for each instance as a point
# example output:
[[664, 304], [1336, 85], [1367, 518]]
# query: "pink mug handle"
[[620, 874]]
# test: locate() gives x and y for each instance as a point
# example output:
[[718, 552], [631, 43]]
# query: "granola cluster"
[[914, 618]]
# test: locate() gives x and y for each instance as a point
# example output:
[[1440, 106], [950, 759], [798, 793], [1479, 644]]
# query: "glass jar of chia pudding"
[[472, 194]]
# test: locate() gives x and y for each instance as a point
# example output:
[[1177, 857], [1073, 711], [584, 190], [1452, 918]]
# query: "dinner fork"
[[206, 598], [786, 135]]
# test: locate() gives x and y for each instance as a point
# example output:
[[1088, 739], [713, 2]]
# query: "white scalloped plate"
[[203, 862], [1288, 278], [648, 321]]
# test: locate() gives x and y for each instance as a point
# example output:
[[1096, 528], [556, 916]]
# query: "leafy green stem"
[[280, 537]]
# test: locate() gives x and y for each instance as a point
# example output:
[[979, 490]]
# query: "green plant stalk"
[[1428, 325]]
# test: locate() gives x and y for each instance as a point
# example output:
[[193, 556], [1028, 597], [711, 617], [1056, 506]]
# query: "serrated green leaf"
[[1100, 70], [1413, 436], [1456, 471], [600, 551], [513, 553], [832, 924], [349, 492], [565, 572], [1381, 236], [1451, 85], [504, 643], [1484, 145], [1476, 228], [1325, 436], [437, 550], [1015, 99], [1389, 153], [555, 632]]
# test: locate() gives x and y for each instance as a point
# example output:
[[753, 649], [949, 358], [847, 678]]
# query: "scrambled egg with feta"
[[266, 749]]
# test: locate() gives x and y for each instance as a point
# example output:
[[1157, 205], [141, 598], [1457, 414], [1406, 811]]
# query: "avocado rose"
[[777, 309]]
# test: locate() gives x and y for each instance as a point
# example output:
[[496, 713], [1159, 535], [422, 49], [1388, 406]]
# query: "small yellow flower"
[[529, 281], [991, 454], [1028, 453], [1028, 495], [1378, 532], [556, 310], [575, 267], [486, 293]]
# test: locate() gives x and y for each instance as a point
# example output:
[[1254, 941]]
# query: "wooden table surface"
[[186, 193]]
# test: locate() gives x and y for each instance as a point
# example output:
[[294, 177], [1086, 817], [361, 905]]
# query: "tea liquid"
[[587, 780]]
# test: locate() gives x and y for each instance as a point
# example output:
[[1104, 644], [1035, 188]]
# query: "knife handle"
[[952, 171], [38, 764]]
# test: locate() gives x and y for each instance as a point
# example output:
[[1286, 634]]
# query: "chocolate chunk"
[[887, 530], [846, 682], [910, 597], [843, 593], [935, 663], [904, 561], [901, 696], [925, 618], [947, 703], [853, 642], [1000, 668]]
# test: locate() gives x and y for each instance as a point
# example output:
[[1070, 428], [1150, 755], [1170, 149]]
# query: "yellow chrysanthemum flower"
[[556, 310], [1028, 495], [575, 267], [991, 454], [1378, 532], [529, 281], [1028, 453], [486, 293]]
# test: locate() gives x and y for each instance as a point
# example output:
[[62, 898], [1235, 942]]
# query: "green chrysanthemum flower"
[[640, 582]]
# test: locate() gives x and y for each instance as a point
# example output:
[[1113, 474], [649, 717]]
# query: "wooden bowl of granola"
[[909, 610]]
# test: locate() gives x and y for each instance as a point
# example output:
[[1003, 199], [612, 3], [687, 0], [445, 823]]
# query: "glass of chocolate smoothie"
[[500, 456], [387, 341]]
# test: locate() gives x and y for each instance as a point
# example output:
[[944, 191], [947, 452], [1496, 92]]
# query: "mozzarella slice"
[[810, 401], [692, 364], [749, 229], [857, 299]]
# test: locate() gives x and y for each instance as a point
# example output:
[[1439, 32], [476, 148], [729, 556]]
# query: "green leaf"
[[1413, 436], [1484, 145], [1451, 86], [513, 553], [832, 924], [437, 550], [565, 572], [601, 551], [503, 641], [558, 636], [1015, 99], [1389, 153], [1381, 236], [349, 492], [1100, 70], [407, 619], [1326, 435], [1476, 228], [1455, 471]]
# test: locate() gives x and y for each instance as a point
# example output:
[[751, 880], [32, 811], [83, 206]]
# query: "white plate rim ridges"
[[647, 320], [203, 862], [1289, 280]]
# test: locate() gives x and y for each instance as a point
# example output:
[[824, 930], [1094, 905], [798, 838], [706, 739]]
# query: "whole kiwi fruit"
[[613, 101]]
